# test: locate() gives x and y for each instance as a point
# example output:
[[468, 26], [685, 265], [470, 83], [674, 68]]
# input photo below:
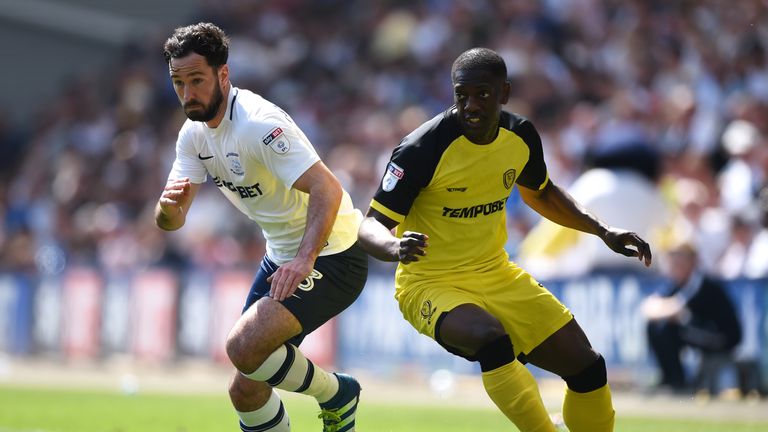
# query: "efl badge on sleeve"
[[391, 177], [277, 141]]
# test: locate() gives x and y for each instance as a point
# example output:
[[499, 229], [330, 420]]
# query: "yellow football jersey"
[[441, 184]]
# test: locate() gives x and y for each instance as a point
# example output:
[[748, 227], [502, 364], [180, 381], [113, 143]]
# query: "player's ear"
[[506, 88], [224, 76]]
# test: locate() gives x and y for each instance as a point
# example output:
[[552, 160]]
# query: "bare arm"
[[324, 199], [557, 205], [174, 203], [656, 308], [375, 237]]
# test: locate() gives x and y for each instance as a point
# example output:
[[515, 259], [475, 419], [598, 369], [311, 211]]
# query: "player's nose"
[[471, 104]]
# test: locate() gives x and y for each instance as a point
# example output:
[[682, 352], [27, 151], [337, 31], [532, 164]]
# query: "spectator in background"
[[732, 262], [737, 180], [755, 267], [695, 312], [353, 67], [757, 256]]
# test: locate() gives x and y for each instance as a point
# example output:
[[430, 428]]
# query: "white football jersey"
[[254, 156]]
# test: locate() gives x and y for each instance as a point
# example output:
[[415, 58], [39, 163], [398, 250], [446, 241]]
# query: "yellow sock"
[[589, 412], [514, 390]]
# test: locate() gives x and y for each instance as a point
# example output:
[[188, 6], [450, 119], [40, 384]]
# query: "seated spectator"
[[695, 312], [755, 267]]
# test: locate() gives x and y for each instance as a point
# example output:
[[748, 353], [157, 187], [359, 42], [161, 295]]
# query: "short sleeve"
[[187, 163], [283, 149], [404, 177], [534, 175]]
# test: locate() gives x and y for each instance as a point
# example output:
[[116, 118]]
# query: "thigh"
[[425, 306], [528, 311], [467, 328], [565, 353], [262, 328], [260, 286], [336, 281]]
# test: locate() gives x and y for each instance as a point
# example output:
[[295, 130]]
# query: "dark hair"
[[639, 157], [481, 58], [205, 39]]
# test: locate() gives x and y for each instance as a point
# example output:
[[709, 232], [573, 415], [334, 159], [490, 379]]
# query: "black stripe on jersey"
[[279, 376], [418, 154], [535, 171], [232, 105]]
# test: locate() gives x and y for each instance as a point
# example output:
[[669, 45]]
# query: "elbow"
[[336, 190], [166, 226], [333, 192], [364, 236]]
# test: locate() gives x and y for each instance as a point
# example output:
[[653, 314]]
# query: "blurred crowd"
[[685, 81]]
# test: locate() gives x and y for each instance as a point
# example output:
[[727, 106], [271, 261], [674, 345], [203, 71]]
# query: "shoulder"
[[247, 107], [433, 136], [255, 117], [190, 131], [518, 124]]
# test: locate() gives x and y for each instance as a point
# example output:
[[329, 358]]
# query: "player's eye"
[[197, 81], [484, 94], [178, 83]]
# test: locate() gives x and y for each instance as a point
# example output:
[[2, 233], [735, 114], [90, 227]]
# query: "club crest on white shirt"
[[234, 163], [391, 177], [277, 141]]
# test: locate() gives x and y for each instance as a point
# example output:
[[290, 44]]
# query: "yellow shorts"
[[527, 310]]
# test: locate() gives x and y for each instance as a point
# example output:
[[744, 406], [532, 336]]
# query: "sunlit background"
[[676, 91]]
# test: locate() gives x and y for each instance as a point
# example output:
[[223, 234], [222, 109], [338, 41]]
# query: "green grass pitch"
[[45, 410]]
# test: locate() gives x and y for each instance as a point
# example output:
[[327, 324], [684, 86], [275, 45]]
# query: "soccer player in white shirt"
[[263, 163]]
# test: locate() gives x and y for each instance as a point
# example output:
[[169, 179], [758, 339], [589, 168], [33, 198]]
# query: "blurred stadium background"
[[87, 130]]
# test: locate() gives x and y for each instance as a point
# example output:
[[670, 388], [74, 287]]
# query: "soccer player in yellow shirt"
[[445, 188]]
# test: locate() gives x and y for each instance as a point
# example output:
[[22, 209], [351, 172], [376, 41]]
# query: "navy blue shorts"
[[336, 281]]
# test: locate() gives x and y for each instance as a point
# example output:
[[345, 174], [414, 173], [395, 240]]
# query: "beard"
[[209, 111]]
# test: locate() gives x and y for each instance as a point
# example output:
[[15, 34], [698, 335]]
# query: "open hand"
[[175, 196], [287, 278], [619, 240], [411, 246]]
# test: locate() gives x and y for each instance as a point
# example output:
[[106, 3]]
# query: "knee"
[[467, 329], [486, 333], [241, 353], [496, 353], [590, 378]]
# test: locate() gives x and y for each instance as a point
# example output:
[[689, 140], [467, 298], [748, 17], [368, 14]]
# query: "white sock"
[[272, 417], [288, 369]]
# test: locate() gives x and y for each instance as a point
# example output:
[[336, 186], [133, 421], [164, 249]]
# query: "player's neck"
[[213, 124]]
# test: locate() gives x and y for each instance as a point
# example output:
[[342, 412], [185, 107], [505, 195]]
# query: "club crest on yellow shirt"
[[427, 311], [509, 178]]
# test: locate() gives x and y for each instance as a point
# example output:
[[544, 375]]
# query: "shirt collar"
[[231, 98]]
